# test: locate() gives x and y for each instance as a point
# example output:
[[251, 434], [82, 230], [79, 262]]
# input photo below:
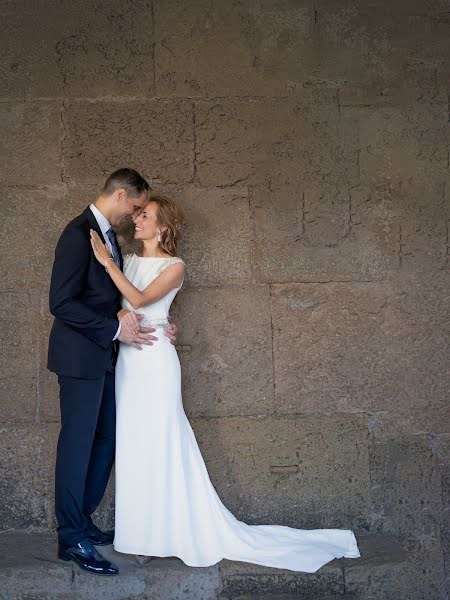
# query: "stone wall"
[[308, 142]]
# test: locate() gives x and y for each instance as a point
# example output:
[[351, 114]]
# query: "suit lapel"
[[93, 222]]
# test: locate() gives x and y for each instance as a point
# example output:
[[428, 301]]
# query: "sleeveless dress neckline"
[[155, 257]]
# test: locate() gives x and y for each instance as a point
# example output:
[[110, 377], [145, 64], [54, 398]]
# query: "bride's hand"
[[101, 251]]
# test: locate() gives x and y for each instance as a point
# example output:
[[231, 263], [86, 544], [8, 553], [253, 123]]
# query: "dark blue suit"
[[84, 302]]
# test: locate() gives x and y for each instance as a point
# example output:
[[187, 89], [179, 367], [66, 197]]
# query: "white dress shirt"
[[105, 226]]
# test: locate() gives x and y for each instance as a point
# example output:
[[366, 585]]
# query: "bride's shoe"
[[142, 560]]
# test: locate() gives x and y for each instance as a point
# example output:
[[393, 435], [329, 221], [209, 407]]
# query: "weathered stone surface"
[[18, 399], [396, 143], [324, 233], [107, 49], [381, 50], [386, 581], [217, 233], [22, 31], [420, 81], [423, 208], [37, 217], [18, 362], [407, 502], [88, 49], [379, 573], [322, 360], [219, 331], [155, 137], [26, 477], [279, 141], [363, 347], [383, 571], [27, 459], [441, 448], [329, 487], [218, 49], [30, 146], [31, 570], [242, 581]]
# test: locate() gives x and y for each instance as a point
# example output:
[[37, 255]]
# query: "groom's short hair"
[[128, 179]]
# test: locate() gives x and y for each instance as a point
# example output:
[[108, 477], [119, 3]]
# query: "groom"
[[82, 352]]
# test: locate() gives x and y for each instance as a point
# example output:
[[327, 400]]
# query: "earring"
[[159, 237]]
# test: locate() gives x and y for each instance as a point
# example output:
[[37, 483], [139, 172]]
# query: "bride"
[[166, 504]]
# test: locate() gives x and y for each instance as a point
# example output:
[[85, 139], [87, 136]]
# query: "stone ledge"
[[29, 569]]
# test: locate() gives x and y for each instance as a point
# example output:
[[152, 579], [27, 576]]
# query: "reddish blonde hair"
[[169, 215]]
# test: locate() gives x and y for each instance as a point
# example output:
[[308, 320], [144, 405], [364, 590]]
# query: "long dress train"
[[165, 502]]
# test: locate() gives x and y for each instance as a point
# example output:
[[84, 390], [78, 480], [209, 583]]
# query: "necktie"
[[115, 251]]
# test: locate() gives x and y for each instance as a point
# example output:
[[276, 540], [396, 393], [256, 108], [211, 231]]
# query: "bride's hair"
[[171, 216]]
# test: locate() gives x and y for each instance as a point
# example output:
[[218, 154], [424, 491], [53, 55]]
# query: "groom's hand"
[[131, 333], [130, 320]]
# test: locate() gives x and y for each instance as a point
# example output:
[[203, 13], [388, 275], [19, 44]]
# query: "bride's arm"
[[169, 279]]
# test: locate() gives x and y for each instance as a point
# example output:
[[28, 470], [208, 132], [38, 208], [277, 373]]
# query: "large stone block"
[[376, 347], [18, 363], [302, 472], [407, 502], [219, 331], [41, 213], [398, 143], [218, 234], [24, 52], [30, 147], [254, 141], [324, 232], [78, 49], [155, 137], [222, 49]]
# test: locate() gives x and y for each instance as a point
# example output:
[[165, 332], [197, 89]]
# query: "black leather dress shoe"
[[101, 538], [88, 558]]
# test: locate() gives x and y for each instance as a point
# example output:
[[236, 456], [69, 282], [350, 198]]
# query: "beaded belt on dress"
[[156, 322]]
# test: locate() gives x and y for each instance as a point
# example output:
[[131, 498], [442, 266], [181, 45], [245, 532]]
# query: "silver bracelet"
[[106, 263]]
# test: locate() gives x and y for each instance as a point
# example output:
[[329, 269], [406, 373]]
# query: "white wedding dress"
[[166, 504]]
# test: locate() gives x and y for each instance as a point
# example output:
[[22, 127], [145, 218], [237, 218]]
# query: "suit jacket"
[[84, 302]]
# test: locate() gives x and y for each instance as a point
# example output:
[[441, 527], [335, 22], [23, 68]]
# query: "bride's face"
[[145, 223]]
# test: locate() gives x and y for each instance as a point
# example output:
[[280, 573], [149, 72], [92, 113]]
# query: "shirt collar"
[[102, 221]]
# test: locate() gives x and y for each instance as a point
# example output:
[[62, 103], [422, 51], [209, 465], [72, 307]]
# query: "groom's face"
[[127, 207]]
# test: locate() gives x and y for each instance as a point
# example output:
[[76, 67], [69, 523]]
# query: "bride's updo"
[[171, 216]]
